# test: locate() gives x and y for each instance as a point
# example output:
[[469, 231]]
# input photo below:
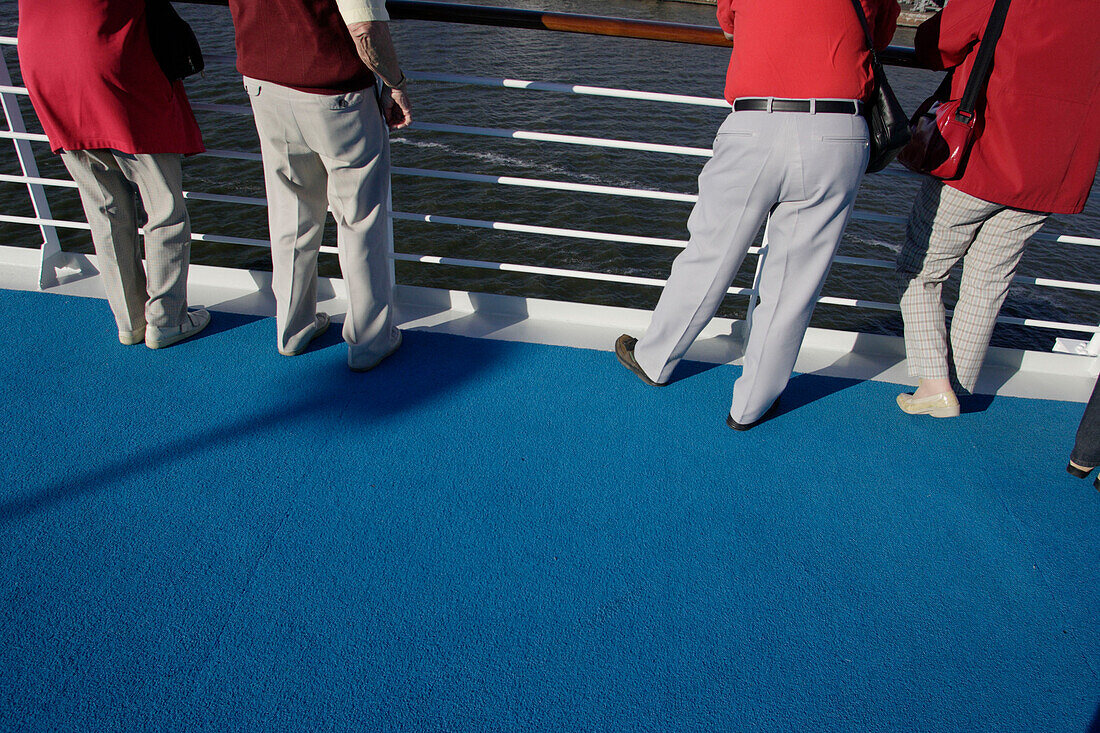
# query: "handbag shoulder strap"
[[866, 29], [983, 63]]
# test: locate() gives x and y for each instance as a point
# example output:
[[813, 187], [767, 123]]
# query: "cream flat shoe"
[[944, 404]]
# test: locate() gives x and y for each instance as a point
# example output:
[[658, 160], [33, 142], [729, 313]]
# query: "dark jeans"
[[1086, 451]]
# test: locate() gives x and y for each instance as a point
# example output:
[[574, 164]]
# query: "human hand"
[[396, 108]]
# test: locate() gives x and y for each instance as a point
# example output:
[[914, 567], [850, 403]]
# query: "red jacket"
[[94, 82], [802, 50], [1041, 113], [324, 59]]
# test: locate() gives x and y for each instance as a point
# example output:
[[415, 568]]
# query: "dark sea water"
[[573, 59]]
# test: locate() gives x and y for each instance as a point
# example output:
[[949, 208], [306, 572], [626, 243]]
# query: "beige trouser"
[[945, 226], [327, 149], [106, 179], [802, 171]]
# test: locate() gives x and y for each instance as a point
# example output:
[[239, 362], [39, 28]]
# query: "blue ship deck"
[[484, 535]]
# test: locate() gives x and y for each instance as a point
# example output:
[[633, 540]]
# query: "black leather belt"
[[826, 106]]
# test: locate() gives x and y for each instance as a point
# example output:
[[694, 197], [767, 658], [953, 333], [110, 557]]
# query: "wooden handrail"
[[596, 25]]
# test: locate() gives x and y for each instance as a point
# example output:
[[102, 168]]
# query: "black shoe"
[[1078, 471], [624, 350], [768, 415]]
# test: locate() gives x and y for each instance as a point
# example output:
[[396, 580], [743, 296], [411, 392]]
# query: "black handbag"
[[174, 43], [887, 123]]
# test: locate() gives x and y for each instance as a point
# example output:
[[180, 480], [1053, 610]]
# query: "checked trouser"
[[945, 226]]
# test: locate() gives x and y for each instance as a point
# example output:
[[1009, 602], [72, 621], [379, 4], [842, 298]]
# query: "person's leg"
[[108, 200], [1086, 449], [941, 227], [827, 157], [988, 268], [159, 180], [295, 180], [736, 190], [353, 143]]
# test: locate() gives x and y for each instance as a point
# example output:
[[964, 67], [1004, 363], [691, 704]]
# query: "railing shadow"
[[427, 367], [804, 389]]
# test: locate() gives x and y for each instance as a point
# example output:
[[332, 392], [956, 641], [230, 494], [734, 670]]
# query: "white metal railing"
[[37, 186]]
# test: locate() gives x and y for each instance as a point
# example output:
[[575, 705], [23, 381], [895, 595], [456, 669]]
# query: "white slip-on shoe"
[[944, 404], [129, 338], [193, 322], [322, 321], [379, 360]]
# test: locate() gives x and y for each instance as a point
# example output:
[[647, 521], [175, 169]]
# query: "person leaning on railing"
[[1036, 155], [793, 150], [1085, 456], [119, 125], [309, 68]]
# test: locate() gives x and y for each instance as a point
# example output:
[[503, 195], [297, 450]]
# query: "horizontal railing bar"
[[503, 226], [1007, 320], [858, 215], [656, 282], [605, 190], [232, 109], [857, 303], [32, 136], [540, 270], [544, 86], [232, 155], [37, 221], [547, 184], [195, 236], [1052, 325], [221, 198], [221, 239], [566, 22], [65, 183], [246, 242], [59, 182], [532, 269], [1067, 239], [1045, 282], [576, 23], [565, 139], [14, 90], [863, 262], [549, 231]]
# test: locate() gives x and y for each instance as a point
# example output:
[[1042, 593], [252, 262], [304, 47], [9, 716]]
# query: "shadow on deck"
[[486, 535]]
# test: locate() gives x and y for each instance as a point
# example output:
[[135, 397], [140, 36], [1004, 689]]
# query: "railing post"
[[389, 233], [52, 255]]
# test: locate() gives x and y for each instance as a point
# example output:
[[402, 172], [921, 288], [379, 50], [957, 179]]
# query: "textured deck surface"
[[483, 535]]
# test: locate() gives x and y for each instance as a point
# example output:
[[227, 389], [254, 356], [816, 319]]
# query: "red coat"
[[1041, 142], [802, 50], [94, 81]]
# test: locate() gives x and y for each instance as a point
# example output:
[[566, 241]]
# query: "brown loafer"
[[624, 350]]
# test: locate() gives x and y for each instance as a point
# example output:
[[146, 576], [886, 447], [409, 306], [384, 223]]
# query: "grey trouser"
[[156, 293], [803, 170], [945, 226], [317, 150]]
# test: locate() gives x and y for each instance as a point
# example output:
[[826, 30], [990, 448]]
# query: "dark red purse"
[[943, 130], [941, 138]]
